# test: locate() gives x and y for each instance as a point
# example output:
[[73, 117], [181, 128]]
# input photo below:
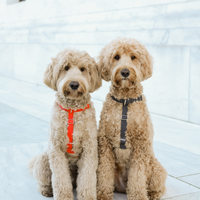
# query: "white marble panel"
[[26, 60], [6, 60], [152, 25], [47, 33], [27, 105], [31, 61], [34, 92], [2, 11], [35, 9], [194, 106], [154, 37], [167, 89], [147, 37], [151, 17], [193, 180]]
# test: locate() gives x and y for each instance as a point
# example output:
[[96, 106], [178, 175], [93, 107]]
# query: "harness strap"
[[125, 103], [71, 126]]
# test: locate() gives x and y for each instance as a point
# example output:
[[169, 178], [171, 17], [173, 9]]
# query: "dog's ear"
[[104, 64], [48, 77], [146, 64], [95, 74]]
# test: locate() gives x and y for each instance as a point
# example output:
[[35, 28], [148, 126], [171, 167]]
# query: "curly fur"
[[134, 170], [57, 171]]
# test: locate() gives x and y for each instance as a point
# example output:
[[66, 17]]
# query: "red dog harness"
[[71, 126]]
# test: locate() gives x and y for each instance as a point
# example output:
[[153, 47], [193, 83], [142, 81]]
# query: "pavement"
[[25, 113]]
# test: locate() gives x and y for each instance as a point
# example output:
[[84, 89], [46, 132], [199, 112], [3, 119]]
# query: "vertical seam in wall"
[[189, 84]]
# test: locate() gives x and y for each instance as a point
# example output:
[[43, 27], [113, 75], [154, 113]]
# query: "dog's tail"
[[31, 163]]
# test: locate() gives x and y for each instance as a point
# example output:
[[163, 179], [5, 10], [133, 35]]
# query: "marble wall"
[[33, 31]]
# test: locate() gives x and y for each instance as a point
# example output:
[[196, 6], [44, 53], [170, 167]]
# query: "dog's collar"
[[71, 126], [127, 101], [73, 111], [124, 118]]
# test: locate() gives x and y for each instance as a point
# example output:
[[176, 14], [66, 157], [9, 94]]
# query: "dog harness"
[[125, 103], [71, 126]]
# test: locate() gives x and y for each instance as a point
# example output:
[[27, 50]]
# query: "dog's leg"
[[157, 180], [105, 173], [40, 168], [87, 167], [61, 180], [136, 185]]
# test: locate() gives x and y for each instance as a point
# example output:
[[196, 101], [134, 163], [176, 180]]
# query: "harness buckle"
[[124, 117], [123, 140], [70, 121]]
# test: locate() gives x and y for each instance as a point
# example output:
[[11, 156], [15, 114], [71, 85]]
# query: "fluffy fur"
[[134, 170], [57, 171]]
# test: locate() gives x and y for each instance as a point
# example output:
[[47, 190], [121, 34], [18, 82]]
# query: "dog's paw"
[[137, 196], [103, 195], [155, 195], [46, 191]]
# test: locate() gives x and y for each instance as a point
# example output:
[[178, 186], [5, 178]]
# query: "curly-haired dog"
[[126, 157], [71, 157]]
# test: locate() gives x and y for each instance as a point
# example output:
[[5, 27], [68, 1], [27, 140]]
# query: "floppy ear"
[[104, 64], [48, 78], [96, 80], [146, 64]]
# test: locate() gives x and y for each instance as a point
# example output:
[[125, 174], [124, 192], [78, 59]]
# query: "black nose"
[[125, 72], [74, 85]]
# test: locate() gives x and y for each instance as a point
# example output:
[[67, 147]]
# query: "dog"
[[127, 163], [71, 159]]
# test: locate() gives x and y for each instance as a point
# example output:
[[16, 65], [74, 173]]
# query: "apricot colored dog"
[[126, 157]]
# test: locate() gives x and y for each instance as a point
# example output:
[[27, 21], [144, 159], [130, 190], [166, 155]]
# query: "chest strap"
[[71, 126], [125, 103]]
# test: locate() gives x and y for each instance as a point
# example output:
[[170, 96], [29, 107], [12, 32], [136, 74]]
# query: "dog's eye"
[[117, 57], [132, 57], [82, 69], [66, 68]]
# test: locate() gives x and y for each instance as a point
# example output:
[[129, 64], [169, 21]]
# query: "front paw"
[[46, 190], [137, 196], [87, 194], [104, 195], [155, 195], [66, 194]]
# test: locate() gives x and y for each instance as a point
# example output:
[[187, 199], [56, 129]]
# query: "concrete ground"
[[24, 115]]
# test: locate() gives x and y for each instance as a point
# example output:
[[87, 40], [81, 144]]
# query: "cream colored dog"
[[71, 157]]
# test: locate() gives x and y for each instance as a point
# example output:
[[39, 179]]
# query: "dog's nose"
[[125, 72], [74, 85]]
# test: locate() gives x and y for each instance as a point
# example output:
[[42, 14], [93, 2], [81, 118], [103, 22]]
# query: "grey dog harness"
[[125, 103]]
